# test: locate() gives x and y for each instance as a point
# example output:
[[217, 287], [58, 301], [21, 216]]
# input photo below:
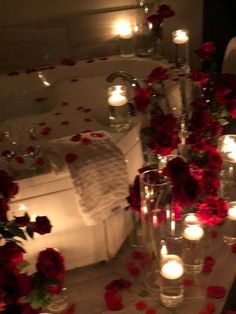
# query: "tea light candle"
[[180, 37], [20, 211], [191, 219], [193, 233], [229, 147], [116, 98], [232, 212], [172, 269], [125, 31], [155, 221]]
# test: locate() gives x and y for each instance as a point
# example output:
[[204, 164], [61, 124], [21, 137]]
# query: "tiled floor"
[[86, 288]]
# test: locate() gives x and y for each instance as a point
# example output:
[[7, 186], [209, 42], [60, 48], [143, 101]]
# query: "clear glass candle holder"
[[127, 41], [119, 114], [193, 245], [171, 275], [230, 225], [180, 39]]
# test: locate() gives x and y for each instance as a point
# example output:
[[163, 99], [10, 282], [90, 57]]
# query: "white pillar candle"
[[172, 269], [180, 37], [232, 213], [155, 221], [193, 233]]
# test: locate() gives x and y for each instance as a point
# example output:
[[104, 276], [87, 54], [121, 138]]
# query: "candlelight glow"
[[229, 147], [180, 37], [124, 29], [232, 211]]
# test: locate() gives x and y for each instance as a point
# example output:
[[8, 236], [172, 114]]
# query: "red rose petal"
[[65, 122], [87, 110], [80, 108], [30, 70], [233, 248], [217, 292], [46, 130], [6, 153], [187, 282], [40, 161], [210, 307], [40, 99], [97, 135], [64, 103], [137, 255], [68, 62], [86, 131], [76, 138], [31, 149], [86, 141], [88, 120], [104, 58], [74, 80], [19, 160], [57, 113], [114, 303], [70, 157], [209, 261], [151, 311], [90, 61], [42, 123], [141, 305], [110, 293]]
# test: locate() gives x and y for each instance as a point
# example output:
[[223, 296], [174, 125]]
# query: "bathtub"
[[36, 98]]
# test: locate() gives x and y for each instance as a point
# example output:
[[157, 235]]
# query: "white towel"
[[99, 175]]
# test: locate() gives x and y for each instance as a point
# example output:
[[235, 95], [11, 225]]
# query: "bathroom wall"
[[39, 32]]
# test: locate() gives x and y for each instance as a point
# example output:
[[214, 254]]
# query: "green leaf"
[[30, 232], [22, 265], [17, 232]]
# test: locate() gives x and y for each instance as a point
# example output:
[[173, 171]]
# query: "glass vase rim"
[[166, 179]]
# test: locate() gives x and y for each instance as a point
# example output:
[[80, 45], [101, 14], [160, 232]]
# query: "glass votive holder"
[[227, 147], [127, 41], [193, 247], [180, 38], [143, 40], [230, 225], [119, 115], [171, 275]]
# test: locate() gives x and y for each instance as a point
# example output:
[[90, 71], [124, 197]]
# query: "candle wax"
[[193, 233], [232, 213], [172, 270]]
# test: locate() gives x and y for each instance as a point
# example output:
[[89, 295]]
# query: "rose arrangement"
[[194, 179], [20, 292]]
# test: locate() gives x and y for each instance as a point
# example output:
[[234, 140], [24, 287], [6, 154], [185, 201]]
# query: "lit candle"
[[180, 37], [124, 29], [229, 147], [191, 219], [163, 250], [172, 269], [20, 211], [232, 213], [193, 233], [155, 221], [172, 227], [117, 99]]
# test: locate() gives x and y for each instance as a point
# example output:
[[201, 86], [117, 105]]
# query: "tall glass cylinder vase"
[[157, 34], [180, 40]]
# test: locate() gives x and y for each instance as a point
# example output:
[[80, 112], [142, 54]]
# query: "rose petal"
[[209, 260], [70, 157], [104, 58], [90, 61], [187, 282], [217, 292], [97, 135], [42, 123], [87, 110], [74, 80], [141, 305], [76, 138], [64, 103], [86, 141], [40, 99], [88, 120], [40, 161], [151, 311], [210, 307], [68, 62], [80, 108], [65, 122], [114, 303], [137, 255], [213, 233], [57, 113], [233, 248], [13, 73]]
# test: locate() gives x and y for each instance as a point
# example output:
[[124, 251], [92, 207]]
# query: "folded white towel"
[[99, 175]]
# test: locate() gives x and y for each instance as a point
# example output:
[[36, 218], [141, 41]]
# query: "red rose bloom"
[[3, 209], [12, 253], [200, 77], [165, 123], [217, 292], [155, 19], [42, 225], [212, 211], [22, 221], [200, 120], [210, 183], [134, 195], [8, 188], [197, 142], [186, 190], [200, 103], [165, 11], [206, 51], [176, 168], [20, 308], [231, 106], [214, 159], [158, 74], [164, 144], [51, 264], [216, 129], [142, 99]]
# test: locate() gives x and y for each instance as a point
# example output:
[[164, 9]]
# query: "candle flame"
[[229, 148]]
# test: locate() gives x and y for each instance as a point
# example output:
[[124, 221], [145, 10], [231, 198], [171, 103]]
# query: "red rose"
[[165, 11], [200, 77], [165, 123], [214, 159], [20, 308], [51, 264], [206, 51], [164, 144], [155, 19], [176, 168], [200, 120], [42, 225], [12, 253], [216, 129], [186, 190], [231, 106], [8, 188], [142, 99], [22, 221], [3, 209], [197, 142], [210, 183], [212, 211], [158, 74]]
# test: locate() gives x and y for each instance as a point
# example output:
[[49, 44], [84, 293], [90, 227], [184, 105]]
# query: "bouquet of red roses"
[[20, 292]]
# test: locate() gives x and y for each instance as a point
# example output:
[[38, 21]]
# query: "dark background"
[[219, 24]]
